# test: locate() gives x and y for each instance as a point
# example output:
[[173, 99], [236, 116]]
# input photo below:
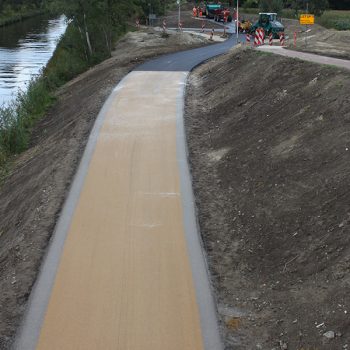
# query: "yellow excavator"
[[244, 26]]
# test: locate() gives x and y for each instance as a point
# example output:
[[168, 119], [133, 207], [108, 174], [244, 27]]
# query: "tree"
[[339, 4], [98, 22], [316, 7], [271, 5]]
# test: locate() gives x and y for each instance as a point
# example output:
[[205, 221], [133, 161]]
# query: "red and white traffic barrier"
[[203, 26], [270, 39], [211, 34], [282, 39], [247, 39], [138, 24], [295, 39], [164, 26], [259, 37], [256, 39]]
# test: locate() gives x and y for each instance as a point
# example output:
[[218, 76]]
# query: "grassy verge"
[[339, 20], [18, 118]]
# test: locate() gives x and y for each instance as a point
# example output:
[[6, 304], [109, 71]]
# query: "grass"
[[18, 118]]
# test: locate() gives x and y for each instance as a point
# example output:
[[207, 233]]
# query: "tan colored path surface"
[[124, 281]]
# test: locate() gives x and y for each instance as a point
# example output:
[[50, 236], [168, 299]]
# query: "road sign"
[[307, 19]]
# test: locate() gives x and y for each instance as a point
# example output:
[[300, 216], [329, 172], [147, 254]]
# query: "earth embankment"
[[33, 193], [269, 143]]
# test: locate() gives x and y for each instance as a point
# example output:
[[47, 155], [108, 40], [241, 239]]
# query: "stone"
[[329, 335]]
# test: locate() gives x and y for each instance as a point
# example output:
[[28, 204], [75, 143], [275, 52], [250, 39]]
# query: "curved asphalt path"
[[125, 268]]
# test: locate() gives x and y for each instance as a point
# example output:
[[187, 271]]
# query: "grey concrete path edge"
[[203, 287]]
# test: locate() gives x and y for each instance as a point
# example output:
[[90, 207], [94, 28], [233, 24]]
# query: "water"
[[25, 48]]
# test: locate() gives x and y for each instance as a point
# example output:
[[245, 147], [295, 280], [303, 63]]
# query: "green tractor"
[[268, 21]]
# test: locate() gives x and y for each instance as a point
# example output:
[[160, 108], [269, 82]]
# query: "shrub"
[[271, 5], [17, 118], [339, 20], [250, 4]]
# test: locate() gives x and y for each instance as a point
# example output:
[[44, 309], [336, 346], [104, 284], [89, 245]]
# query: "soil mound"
[[269, 142]]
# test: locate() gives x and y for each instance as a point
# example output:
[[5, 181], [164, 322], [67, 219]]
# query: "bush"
[[12, 135], [68, 61], [17, 119], [317, 7], [250, 4], [271, 5], [339, 20]]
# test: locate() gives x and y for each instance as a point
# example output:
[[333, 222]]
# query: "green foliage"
[[339, 20], [12, 11], [17, 119], [250, 4], [271, 5], [316, 7], [339, 4], [69, 59]]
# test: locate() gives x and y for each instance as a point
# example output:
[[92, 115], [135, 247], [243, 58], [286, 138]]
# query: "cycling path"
[[125, 269]]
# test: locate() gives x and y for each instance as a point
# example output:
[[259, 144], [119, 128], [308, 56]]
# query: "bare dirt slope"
[[269, 143], [319, 40], [32, 196]]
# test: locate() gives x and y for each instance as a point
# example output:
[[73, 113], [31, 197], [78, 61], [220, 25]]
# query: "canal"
[[25, 48]]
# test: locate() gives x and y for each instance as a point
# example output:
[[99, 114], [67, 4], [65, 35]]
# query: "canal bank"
[[25, 50], [36, 92]]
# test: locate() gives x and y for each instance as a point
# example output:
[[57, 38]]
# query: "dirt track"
[[31, 198], [270, 159]]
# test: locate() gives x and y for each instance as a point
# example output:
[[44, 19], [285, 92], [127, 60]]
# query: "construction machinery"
[[218, 12], [268, 21], [244, 26]]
